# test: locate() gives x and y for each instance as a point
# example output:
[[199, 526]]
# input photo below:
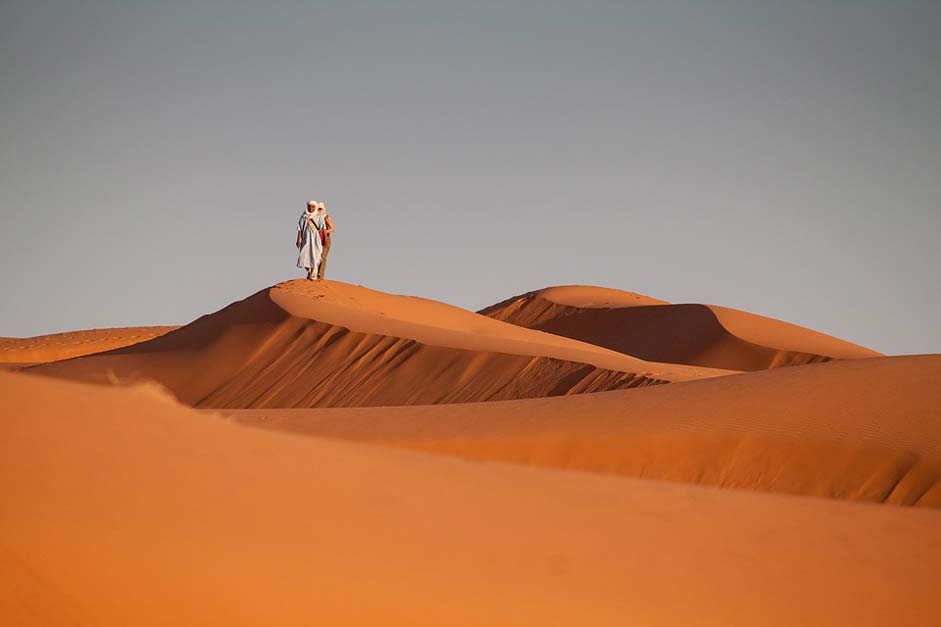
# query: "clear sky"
[[782, 157]]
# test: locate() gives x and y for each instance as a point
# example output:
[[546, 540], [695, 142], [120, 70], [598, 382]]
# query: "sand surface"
[[624, 461], [704, 335], [46, 348], [372, 349], [122, 507], [862, 430]]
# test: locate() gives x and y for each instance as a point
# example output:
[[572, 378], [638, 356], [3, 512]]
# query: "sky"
[[778, 157]]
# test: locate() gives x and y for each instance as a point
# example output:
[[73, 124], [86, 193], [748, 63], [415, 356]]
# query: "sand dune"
[[46, 348], [704, 335], [862, 430], [303, 344], [122, 507]]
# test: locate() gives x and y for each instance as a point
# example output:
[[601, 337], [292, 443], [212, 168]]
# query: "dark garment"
[[323, 257]]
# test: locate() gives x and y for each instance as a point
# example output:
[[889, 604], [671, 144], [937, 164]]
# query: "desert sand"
[[123, 507], [705, 335], [862, 430], [372, 348], [323, 453], [45, 348]]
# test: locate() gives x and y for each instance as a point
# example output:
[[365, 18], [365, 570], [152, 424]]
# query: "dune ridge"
[[303, 344], [153, 514], [859, 430], [703, 335]]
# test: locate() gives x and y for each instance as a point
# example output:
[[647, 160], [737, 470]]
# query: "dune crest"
[[304, 344], [702, 335]]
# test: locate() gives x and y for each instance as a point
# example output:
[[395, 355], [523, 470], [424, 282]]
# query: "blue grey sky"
[[782, 157]]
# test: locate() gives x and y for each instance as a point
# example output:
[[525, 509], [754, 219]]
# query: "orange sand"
[[371, 349], [704, 335], [46, 348], [122, 507], [863, 430]]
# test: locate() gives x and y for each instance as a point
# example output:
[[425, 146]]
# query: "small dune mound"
[[46, 348], [304, 344], [653, 330], [867, 430]]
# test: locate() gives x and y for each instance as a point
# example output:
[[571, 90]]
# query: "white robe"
[[309, 226]]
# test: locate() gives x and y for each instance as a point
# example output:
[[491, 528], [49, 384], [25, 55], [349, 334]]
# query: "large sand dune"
[[864, 430], [303, 344], [121, 507], [651, 329]]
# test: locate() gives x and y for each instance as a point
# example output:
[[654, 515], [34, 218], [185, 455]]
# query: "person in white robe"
[[309, 246]]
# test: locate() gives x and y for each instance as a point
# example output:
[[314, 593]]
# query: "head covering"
[[321, 206], [312, 203]]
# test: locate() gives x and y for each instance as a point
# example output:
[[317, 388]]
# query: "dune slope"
[[152, 514], [302, 344], [704, 335], [861, 430]]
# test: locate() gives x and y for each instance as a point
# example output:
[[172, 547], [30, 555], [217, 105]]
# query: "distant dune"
[[46, 348], [121, 507], [303, 344], [651, 329]]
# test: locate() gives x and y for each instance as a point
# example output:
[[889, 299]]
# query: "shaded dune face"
[[690, 334], [865, 430], [255, 354]]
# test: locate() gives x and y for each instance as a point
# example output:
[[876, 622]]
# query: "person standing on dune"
[[309, 245], [324, 239]]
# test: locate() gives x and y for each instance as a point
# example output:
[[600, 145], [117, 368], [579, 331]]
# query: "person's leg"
[[323, 259]]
